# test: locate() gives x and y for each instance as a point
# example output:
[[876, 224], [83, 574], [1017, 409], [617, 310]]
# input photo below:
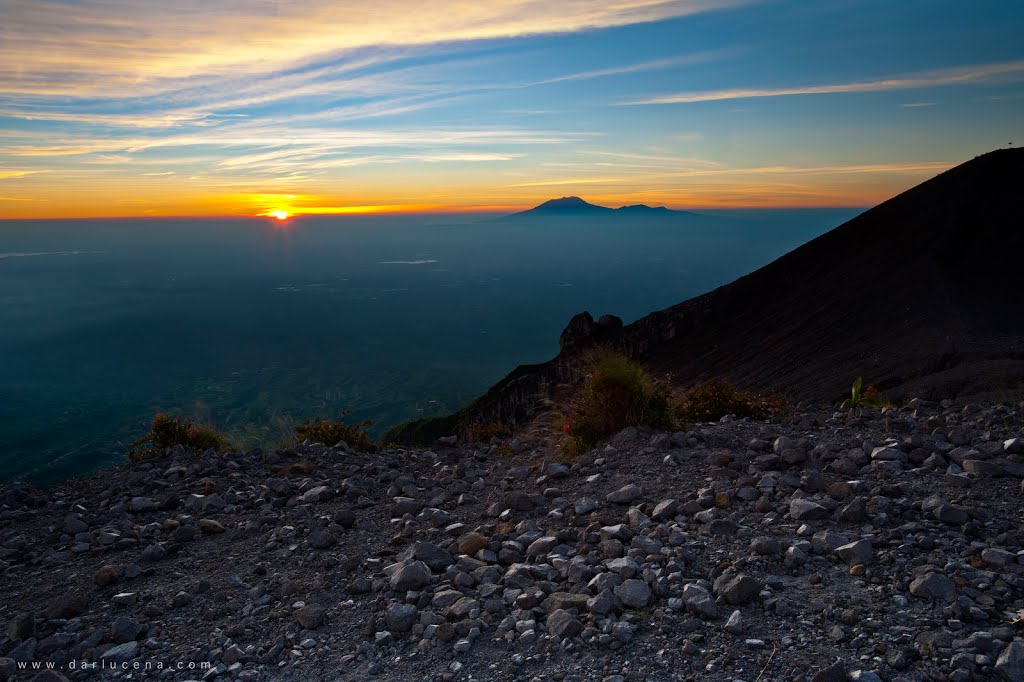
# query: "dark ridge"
[[919, 295]]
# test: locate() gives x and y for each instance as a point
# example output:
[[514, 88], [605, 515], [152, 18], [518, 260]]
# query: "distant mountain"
[[574, 206], [919, 295]]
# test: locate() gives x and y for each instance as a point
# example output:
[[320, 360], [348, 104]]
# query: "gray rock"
[[864, 676], [24, 652], [982, 468], [66, 606], [541, 546], [310, 616], [585, 506], [400, 617], [121, 653], [803, 509], [124, 629], [319, 493], [766, 545], [436, 558], [933, 586], [735, 623], [625, 494], [699, 601], [564, 601], [858, 552], [8, 666], [833, 673], [994, 556], [633, 593], [563, 624], [887, 454], [321, 538], [154, 552], [781, 444], [210, 527], [947, 513], [22, 626], [405, 505], [665, 510], [1010, 665], [141, 505], [737, 588], [74, 525], [411, 576], [463, 608]]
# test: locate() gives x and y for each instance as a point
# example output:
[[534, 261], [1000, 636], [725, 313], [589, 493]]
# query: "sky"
[[251, 107]]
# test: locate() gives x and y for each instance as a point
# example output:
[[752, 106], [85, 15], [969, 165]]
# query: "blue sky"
[[230, 107]]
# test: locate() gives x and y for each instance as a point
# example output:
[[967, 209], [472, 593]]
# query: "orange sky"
[[226, 107]]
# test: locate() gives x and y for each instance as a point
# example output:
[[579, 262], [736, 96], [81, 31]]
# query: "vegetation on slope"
[[166, 431]]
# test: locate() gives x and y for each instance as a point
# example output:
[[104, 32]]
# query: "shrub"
[[617, 393], [861, 397], [166, 431], [333, 432], [710, 401]]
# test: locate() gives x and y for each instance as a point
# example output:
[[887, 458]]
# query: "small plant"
[[166, 431], [617, 393], [710, 401], [862, 397], [333, 432]]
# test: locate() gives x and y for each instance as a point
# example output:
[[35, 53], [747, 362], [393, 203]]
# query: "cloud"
[[74, 48], [464, 156], [573, 181], [14, 174], [999, 72], [696, 58]]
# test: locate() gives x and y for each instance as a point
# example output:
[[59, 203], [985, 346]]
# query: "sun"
[[279, 214]]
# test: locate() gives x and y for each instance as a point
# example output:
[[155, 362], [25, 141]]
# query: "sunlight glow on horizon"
[[116, 108]]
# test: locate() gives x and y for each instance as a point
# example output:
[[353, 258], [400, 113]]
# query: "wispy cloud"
[[81, 47], [681, 60], [572, 181], [13, 174], [966, 75]]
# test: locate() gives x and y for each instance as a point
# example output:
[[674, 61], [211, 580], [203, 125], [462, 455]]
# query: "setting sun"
[[280, 215]]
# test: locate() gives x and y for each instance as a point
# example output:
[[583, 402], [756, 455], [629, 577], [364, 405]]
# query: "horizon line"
[[453, 210]]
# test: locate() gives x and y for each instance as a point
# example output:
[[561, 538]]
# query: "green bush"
[[617, 393], [166, 431], [710, 401], [861, 397], [332, 432]]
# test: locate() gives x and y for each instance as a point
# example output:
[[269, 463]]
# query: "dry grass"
[[166, 431], [331, 433], [710, 401], [616, 393]]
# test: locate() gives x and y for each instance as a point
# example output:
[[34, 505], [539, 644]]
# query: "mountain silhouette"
[[574, 206], [920, 295]]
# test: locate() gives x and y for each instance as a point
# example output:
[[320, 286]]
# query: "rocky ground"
[[888, 547]]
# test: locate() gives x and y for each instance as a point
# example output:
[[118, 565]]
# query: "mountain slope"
[[921, 295]]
